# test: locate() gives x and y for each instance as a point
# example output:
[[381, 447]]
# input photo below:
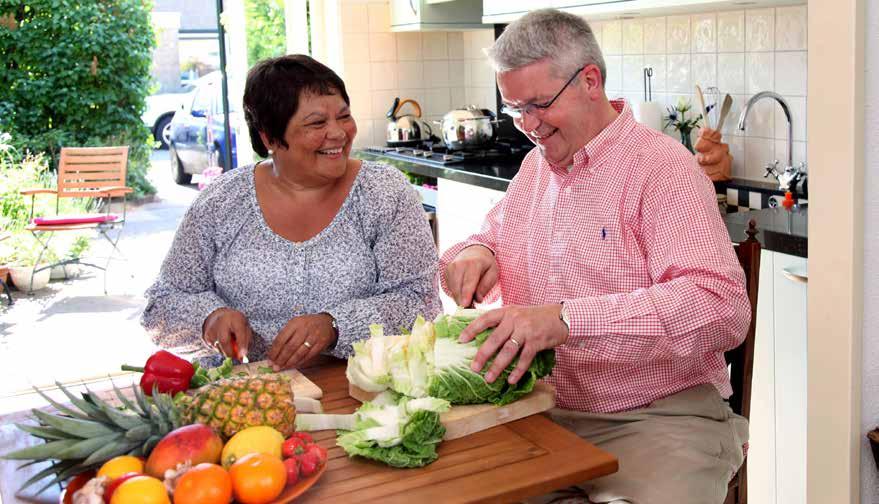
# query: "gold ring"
[[514, 341], [307, 344], [217, 346]]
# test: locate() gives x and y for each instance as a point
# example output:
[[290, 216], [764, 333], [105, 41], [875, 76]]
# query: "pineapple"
[[91, 431]]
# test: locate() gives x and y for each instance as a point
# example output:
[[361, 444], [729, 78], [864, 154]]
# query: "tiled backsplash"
[[440, 70], [740, 52]]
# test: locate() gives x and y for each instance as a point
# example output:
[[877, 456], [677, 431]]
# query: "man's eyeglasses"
[[533, 108]]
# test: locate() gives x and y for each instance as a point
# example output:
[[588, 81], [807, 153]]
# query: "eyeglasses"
[[533, 108]]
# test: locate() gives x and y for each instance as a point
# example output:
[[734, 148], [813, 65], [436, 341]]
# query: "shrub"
[[77, 74]]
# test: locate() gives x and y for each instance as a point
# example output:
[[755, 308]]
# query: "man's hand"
[[471, 275], [225, 325], [519, 330], [301, 339]]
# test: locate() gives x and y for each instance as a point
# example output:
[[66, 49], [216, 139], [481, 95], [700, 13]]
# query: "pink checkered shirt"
[[632, 241]]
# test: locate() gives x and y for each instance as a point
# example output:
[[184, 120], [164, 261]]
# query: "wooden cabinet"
[[777, 448], [424, 15]]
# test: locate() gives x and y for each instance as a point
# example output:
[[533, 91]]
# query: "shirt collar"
[[603, 144]]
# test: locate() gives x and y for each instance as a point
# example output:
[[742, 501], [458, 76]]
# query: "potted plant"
[[677, 119], [70, 267], [21, 253]]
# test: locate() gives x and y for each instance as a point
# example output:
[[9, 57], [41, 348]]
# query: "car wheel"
[[180, 176], [162, 133]]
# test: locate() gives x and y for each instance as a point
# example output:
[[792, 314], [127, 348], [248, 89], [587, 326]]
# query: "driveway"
[[71, 330]]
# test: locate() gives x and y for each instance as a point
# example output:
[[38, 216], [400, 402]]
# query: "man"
[[608, 246]]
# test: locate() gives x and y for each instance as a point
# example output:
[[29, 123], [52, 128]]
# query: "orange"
[[204, 484], [117, 466], [258, 478], [141, 490]]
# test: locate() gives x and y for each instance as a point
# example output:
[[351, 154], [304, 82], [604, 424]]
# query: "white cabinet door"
[[495, 7], [790, 294], [761, 450], [405, 12]]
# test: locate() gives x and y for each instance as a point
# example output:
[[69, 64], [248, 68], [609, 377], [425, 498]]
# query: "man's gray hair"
[[563, 38]]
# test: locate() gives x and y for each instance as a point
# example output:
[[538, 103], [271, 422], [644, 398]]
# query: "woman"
[[299, 253]]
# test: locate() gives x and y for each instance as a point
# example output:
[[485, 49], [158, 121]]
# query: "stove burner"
[[437, 152]]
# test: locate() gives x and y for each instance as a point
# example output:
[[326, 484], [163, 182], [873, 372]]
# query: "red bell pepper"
[[164, 370]]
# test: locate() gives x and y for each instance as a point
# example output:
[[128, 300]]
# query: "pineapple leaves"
[[127, 402], [86, 447], [43, 432], [111, 450], [119, 418], [60, 407], [85, 406], [53, 469], [41, 451], [73, 426]]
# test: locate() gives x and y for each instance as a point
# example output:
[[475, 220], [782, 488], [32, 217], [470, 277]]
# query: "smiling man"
[[609, 248]]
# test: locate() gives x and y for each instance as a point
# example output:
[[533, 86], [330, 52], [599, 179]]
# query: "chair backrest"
[[83, 171], [741, 358]]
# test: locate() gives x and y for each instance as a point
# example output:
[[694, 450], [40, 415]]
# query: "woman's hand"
[[519, 330], [301, 340], [225, 329]]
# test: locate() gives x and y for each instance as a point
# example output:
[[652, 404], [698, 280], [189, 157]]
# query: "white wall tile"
[[357, 77], [409, 46], [678, 73], [483, 73], [455, 41], [731, 73], [704, 34], [457, 73], [737, 150], [755, 200], [382, 101], [633, 36], [704, 70], [436, 73], [654, 35], [758, 152], [475, 41], [761, 119], [760, 30], [731, 31], [436, 45], [382, 47], [730, 124], [459, 97], [658, 63], [612, 37], [353, 17], [361, 105], [678, 34], [760, 72], [633, 73], [355, 47], [379, 17], [781, 153], [417, 95], [732, 196], [364, 134], [410, 74], [614, 73], [383, 75], [597, 31], [790, 73], [438, 101], [791, 28], [797, 106]]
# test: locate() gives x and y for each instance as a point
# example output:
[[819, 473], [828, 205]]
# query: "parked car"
[[160, 108], [197, 138]]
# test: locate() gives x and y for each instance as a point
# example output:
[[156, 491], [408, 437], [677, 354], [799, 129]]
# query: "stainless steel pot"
[[406, 129], [470, 127]]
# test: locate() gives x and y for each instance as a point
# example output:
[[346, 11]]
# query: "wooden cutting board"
[[463, 420], [302, 386]]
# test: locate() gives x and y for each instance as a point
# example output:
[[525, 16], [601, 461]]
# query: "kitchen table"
[[506, 463]]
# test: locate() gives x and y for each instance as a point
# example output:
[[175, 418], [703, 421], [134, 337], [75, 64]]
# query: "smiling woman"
[[319, 245]]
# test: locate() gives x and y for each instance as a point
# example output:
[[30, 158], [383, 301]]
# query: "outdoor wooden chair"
[[741, 358], [85, 172], [3, 271]]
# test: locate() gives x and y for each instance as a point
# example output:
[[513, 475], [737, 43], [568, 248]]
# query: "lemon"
[[260, 439], [117, 466]]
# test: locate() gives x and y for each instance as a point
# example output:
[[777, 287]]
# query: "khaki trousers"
[[680, 449]]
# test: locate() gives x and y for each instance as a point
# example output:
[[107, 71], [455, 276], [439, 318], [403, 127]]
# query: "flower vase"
[[685, 139]]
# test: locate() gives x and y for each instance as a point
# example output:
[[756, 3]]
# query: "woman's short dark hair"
[[272, 91]]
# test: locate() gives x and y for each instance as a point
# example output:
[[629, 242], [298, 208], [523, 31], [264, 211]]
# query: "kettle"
[[470, 127], [406, 129]]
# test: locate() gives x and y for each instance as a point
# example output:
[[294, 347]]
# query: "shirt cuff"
[[588, 318]]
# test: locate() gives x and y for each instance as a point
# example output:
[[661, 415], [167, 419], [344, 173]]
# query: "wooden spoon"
[[724, 110], [701, 98]]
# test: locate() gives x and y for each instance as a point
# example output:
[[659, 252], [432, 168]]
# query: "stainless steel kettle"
[[406, 129], [468, 128]]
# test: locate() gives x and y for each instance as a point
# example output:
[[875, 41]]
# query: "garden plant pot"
[[21, 278]]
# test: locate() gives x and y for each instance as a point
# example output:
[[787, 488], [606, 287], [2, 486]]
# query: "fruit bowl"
[[288, 495]]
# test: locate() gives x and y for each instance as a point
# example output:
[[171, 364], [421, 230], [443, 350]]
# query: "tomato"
[[114, 484], [303, 436], [292, 446], [258, 478], [204, 484], [308, 464], [319, 451], [292, 466]]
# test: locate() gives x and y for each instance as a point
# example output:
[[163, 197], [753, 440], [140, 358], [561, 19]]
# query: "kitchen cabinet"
[[460, 211], [777, 447], [424, 15]]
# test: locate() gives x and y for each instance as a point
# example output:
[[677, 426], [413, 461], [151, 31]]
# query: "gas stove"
[[437, 153]]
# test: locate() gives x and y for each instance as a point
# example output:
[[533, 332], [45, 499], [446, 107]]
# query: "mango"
[[196, 443]]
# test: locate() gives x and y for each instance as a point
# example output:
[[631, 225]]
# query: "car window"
[[202, 100]]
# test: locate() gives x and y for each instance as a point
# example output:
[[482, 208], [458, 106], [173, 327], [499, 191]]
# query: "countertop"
[[489, 173], [779, 230]]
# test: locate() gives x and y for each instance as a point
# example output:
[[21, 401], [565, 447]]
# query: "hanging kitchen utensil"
[[406, 129], [647, 112], [468, 128]]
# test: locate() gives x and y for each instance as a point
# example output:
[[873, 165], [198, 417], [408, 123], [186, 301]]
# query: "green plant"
[[23, 250], [78, 248], [77, 74], [265, 29], [677, 119]]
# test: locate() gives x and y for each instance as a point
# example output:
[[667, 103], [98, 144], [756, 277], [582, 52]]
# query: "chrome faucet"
[[791, 178]]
